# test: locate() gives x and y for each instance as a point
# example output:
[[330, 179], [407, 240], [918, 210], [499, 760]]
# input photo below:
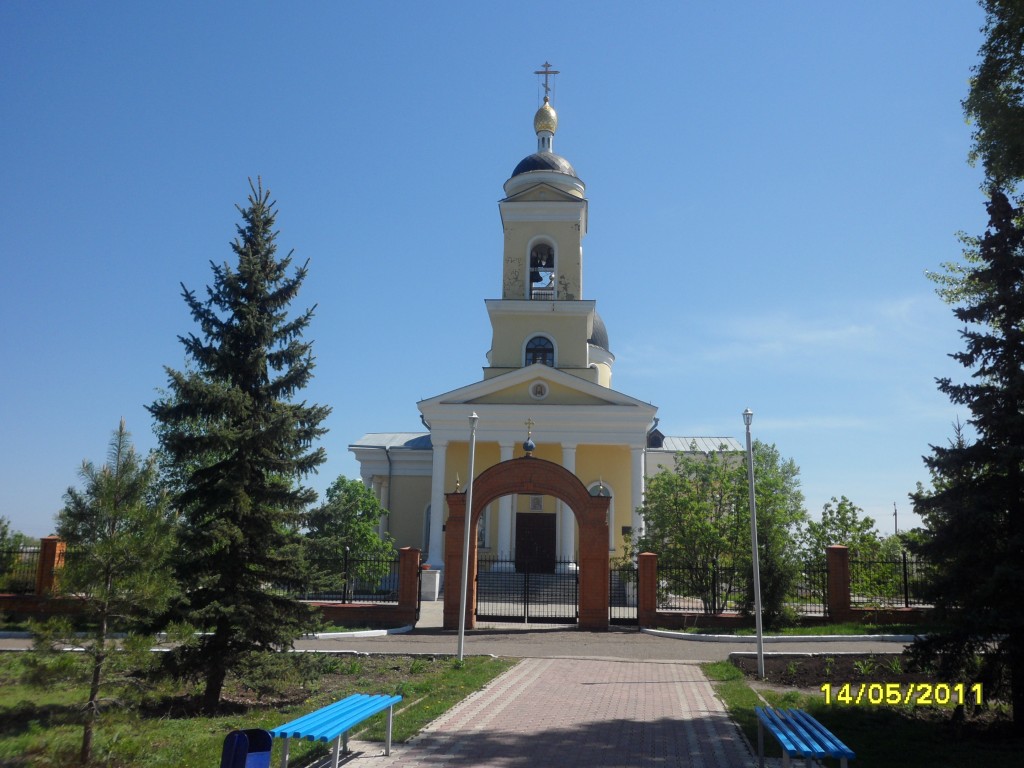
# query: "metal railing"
[[351, 579], [505, 592], [700, 589], [889, 583], [810, 592], [622, 594], [18, 569]]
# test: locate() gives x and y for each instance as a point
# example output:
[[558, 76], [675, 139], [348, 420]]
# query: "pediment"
[[539, 391], [542, 192], [537, 385]]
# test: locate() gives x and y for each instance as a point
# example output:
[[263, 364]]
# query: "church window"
[[540, 350], [482, 528], [542, 271]]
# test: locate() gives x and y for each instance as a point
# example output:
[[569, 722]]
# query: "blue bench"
[[333, 722], [800, 735]]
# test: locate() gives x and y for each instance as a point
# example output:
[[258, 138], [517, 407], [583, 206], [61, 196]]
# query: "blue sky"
[[768, 184]]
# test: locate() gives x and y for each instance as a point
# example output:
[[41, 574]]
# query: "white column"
[[566, 518], [637, 496], [505, 512], [437, 507]]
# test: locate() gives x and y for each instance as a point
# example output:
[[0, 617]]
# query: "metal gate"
[[526, 595], [622, 595]]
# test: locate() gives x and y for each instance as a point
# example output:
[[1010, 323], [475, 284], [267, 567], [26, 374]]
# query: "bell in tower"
[[542, 271]]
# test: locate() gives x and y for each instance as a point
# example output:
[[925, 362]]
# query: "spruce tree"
[[975, 512], [242, 446]]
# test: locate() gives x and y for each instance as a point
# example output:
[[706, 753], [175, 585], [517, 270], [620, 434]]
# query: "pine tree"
[[975, 512], [242, 448], [116, 522]]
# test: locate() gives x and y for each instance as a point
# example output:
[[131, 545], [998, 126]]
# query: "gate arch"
[[532, 476]]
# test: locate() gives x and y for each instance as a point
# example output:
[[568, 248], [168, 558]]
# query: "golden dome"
[[546, 119]]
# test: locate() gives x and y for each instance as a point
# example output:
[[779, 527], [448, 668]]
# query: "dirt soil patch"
[[810, 671]]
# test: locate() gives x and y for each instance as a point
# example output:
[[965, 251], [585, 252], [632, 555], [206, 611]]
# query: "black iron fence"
[[810, 591], [506, 594], [699, 589], [351, 579], [18, 568], [889, 583], [715, 589], [622, 594]]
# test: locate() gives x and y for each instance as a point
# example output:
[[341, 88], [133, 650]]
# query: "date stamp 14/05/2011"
[[918, 694]]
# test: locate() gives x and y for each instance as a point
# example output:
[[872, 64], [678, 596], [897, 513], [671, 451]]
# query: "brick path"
[[578, 712]]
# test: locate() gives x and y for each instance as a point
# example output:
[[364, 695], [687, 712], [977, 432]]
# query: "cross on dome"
[[547, 72]]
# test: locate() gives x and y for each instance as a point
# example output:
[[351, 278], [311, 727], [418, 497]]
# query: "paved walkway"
[[578, 712]]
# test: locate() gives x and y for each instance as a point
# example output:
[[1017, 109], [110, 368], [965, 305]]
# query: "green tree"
[[995, 107], [842, 522], [228, 421], [995, 103], [780, 516], [693, 520], [697, 520], [344, 529], [116, 523], [975, 512]]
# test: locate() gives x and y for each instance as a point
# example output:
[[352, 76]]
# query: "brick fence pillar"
[[837, 560], [647, 589], [408, 579], [51, 558]]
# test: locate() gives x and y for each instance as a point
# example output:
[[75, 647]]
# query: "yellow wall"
[[569, 333], [410, 497], [565, 235], [611, 465]]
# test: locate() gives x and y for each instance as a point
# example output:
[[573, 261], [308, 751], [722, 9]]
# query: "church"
[[547, 386]]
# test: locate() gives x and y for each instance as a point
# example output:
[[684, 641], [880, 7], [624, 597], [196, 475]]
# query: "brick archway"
[[533, 476]]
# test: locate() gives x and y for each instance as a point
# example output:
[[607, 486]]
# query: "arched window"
[[542, 271], [540, 350]]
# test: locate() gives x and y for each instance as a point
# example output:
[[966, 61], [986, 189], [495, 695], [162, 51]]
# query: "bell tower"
[[542, 317]]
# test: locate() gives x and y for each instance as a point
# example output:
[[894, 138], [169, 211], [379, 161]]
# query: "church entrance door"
[[535, 542]]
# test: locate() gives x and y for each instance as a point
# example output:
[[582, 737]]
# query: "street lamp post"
[[468, 517], [748, 417]]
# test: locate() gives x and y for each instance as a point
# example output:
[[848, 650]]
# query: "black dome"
[[544, 161], [599, 337]]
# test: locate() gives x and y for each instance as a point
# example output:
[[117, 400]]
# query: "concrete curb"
[[314, 636], [359, 633], [904, 639]]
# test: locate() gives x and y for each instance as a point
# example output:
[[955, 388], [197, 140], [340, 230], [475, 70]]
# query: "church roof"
[[544, 161], [703, 444], [599, 336], [414, 441]]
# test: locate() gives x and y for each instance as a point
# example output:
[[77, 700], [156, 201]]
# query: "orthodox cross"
[[547, 72], [529, 427]]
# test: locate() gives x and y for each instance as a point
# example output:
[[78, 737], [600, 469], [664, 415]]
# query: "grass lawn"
[[881, 736], [38, 726]]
